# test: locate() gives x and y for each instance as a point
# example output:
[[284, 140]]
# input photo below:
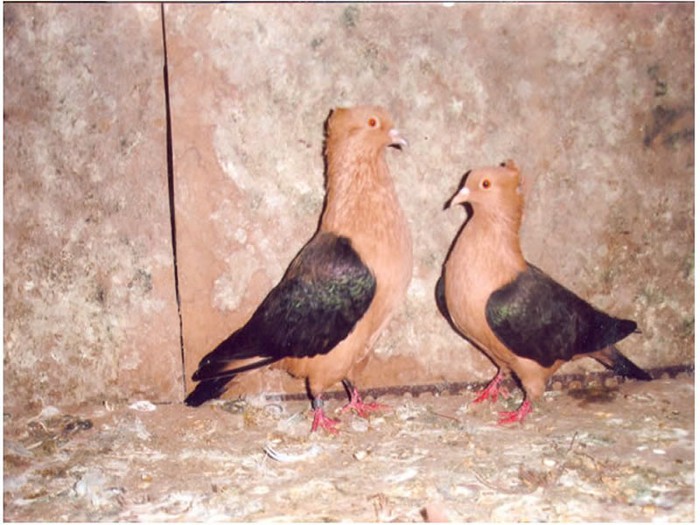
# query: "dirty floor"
[[613, 452]]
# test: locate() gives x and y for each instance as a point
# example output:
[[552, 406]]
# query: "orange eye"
[[486, 184], [373, 122]]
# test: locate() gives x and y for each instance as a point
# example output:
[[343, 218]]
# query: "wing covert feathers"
[[325, 292], [539, 319]]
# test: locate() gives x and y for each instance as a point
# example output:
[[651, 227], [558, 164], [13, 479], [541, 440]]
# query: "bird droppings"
[[627, 455], [142, 406]]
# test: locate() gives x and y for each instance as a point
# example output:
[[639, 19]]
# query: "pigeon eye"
[[373, 122], [486, 184]]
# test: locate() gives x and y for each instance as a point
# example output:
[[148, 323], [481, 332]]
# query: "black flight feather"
[[206, 390], [440, 299], [612, 358], [537, 318], [324, 293]]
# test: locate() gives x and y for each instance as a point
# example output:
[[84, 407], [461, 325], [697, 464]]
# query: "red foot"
[[492, 390], [517, 415], [326, 423], [361, 408]]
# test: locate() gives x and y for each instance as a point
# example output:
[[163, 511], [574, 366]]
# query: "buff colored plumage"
[[516, 314], [320, 322]]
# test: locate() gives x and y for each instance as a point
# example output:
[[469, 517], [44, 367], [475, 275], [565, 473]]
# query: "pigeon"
[[520, 317], [321, 320]]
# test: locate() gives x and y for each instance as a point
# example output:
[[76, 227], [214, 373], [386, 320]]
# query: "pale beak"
[[460, 197], [397, 141]]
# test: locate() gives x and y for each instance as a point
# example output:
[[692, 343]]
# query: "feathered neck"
[[491, 235], [504, 217], [357, 181]]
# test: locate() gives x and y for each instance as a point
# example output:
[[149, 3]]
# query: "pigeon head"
[[365, 126], [491, 187]]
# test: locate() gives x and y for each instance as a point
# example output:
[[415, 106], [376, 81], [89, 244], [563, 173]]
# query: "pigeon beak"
[[397, 141], [460, 197]]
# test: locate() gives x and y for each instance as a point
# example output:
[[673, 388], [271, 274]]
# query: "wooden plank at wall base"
[[597, 113], [90, 311]]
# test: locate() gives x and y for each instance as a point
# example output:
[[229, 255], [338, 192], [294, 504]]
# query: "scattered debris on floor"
[[606, 453]]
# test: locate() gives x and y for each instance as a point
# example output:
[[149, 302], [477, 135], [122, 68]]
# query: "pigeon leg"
[[361, 408], [516, 415], [492, 390], [320, 419]]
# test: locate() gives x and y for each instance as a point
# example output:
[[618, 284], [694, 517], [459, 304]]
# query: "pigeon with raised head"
[[320, 322]]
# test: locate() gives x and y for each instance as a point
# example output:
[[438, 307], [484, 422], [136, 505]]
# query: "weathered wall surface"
[[90, 309], [594, 102]]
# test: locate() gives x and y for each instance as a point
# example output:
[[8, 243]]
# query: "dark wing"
[[537, 318], [441, 301], [325, 292], [440, 297]]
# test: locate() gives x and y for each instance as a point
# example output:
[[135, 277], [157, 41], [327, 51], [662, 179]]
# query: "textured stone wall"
[[89, 298], [593, 101]]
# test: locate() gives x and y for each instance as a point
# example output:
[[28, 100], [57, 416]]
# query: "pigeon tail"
[[613, 359], [206, 390]]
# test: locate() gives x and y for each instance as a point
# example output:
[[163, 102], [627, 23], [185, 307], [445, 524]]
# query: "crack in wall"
[[171, 189]]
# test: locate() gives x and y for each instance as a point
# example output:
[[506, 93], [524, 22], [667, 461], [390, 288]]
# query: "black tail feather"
[[206, 374], [206, 390], [215, 370], [621, 366], [440, 297], [238, 346]]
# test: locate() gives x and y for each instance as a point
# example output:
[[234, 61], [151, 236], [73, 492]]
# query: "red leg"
[[492, 390], [517, 416], [361, 408], [321, 420]]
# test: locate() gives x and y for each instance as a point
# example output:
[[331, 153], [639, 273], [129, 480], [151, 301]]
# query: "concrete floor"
[[605, 452]]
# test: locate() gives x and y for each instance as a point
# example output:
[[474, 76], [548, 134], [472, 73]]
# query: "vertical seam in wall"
[[171, 188]]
